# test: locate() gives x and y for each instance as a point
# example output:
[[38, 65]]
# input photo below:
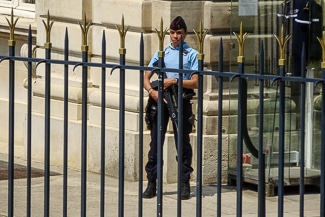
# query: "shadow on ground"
[[20, 171]]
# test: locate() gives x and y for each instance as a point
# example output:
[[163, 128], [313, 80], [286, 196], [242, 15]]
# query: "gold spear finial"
[[282, 41], [85, 28], [48, 26], [122, 30], [12, 26], [161, 35], [241, 38], [322, 44], [201, 36]]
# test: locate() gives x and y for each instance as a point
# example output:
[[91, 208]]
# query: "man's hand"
[[154, 95], [168, 82]]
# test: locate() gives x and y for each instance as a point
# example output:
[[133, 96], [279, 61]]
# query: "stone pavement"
[[209, 201]]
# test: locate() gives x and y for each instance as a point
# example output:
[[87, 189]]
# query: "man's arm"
[[191, 84], [147, 86], [146, 81]]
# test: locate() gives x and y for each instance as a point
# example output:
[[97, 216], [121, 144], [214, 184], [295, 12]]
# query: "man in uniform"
[[177, 31]]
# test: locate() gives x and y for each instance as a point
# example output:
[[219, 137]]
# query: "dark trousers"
[[151, 166]]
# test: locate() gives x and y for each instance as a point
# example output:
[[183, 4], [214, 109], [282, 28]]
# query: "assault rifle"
[[170, 95]]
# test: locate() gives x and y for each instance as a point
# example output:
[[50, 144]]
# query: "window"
[[29, 1], [22, 8]]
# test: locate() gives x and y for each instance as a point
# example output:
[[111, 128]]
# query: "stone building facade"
[[141, 16]]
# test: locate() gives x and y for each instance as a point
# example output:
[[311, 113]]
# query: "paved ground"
[[291, 201]]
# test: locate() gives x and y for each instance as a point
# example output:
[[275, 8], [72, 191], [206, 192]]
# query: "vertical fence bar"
[[11, 136], [29, 125], [122, 52], [219, 144], [65, 125], [84, 132], [239, 172], [200, 35], [47, 116], [84, 112], [281, 139], [47, 131], [261, 155], [199, 137], [140, 204], [302, 133], [160, 116], [121, 137], [103, 123], [180, 131], [121, 134], [282, 42], [281, 142]]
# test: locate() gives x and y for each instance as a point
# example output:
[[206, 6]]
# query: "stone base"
[[131, 150], [93, 148]]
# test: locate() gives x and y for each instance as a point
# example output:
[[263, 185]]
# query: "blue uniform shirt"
[[171, 60]]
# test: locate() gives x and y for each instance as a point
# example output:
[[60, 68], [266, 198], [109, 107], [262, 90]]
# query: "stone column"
[[65, 15]]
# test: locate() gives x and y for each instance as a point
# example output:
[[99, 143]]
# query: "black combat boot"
[[150, 192], [185, 190]]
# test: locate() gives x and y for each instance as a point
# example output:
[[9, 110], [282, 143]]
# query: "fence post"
[[261, 155], [65, 125], [84, 48], [122, 30], [29, 125], [200, 36], [48, 46], [282, 42], [220, 105], [240, 60], [11, 136], [161, 35], [141, 74], [103, 135]]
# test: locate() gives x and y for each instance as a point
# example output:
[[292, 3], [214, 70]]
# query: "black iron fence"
[[242, 131]]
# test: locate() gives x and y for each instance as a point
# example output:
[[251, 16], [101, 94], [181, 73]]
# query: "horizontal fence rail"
[[122, 68]]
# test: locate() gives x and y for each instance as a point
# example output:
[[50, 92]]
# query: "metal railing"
[[242, 132]]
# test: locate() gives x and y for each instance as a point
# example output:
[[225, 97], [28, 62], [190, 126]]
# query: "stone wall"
[[140, 16]]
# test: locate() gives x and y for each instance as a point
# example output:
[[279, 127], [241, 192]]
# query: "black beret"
[[178, 23]]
